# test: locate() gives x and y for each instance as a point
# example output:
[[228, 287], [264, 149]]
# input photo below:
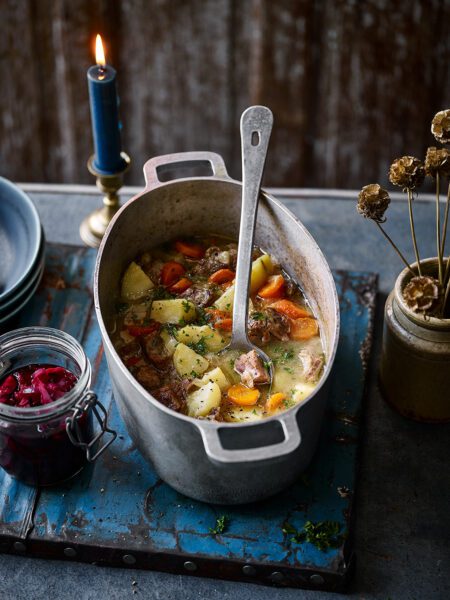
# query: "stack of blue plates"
[[22, 251]]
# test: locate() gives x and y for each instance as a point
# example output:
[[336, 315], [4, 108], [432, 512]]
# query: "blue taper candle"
[[104, 114]]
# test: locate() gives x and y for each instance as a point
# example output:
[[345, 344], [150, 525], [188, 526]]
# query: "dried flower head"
[[373, 201], [407, 172], [421, 294], [437, 161], [440, 126]]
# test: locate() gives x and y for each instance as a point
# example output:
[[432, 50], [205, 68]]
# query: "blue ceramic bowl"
[[21, 292], [20, 238]]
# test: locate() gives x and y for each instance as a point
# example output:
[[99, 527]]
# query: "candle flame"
[[99, 52]]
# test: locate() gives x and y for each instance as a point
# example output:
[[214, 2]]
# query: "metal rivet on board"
[[317, 579], [277, 577], [128, 559], [249, 570], [190, 566], [70, 552], [19, 547]]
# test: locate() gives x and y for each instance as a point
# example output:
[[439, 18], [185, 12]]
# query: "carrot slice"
[[274, 401], [181, 286], [224, 324], [222, 276], [290, 309], [214, 314], [242, 396], [137, 330], [274, 288], [303, 329], [171, 272], [189, 249]]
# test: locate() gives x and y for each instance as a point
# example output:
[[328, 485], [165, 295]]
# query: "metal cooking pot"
[[223, 463]]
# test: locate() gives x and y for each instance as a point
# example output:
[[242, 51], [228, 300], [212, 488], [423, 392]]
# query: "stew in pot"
[[174, 318]]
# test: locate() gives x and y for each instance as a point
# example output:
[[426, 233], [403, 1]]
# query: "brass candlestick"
[[93, 228]]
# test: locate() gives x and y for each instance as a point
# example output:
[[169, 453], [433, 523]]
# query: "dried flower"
[[440, 126], [437, 161], [421, 294], [407, 172], [373, 201]]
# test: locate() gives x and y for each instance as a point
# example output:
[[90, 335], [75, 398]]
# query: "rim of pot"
[[429, 266]]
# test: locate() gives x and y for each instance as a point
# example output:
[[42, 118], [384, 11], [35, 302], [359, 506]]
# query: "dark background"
[[353, 84]]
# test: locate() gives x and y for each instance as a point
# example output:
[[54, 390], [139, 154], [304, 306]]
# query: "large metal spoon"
[[256, 127]]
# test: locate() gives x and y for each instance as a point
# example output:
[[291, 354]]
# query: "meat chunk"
[[312, 365], [278, 325], [257, 327], [201, 296], [214, 259], [173, 396], [129, 350], [148, 377], [251, 369], [156, 351], [267, 323]]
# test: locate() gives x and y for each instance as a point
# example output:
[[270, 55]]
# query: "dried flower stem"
[[444, 233], [395, 247], [438, 231], [446, 296], [413, 231]]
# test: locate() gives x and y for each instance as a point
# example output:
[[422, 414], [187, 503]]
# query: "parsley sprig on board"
[[221, 525], [323, 534]]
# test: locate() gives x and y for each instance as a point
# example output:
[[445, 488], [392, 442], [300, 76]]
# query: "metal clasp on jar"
[[89, 402]]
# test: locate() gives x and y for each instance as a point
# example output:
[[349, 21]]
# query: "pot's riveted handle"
[[89, 402], [155, 167], [217, 453]]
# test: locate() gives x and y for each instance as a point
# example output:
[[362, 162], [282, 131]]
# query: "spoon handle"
[[256, 127]]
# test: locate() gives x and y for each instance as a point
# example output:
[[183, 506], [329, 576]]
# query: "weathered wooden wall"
[[352, 83]]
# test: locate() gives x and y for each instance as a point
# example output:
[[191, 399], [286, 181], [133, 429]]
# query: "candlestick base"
[[93, 228]]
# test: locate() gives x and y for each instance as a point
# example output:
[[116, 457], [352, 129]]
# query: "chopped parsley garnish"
[[186, 306], [171, 328], [160, 293], [221, 525], [199, 347], [202, 316], [194, 374], [322, 534], [258, 316]]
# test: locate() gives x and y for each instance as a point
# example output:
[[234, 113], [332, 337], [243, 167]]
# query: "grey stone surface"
[[403, 495]]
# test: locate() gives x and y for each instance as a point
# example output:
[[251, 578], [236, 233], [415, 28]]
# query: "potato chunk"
[[262, 267], [214, 341], [135, 283], [216, 376], [245, 414], [172, 311], [187, 362], [204, 400], [302, 391]]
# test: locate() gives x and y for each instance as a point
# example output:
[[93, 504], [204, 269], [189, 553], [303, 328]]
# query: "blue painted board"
[[119, 512]]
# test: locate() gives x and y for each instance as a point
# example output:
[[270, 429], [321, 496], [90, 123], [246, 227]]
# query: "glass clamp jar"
[[50, 443]]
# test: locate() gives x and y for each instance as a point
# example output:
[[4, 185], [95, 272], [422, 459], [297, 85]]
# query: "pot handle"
[[217, 453], [154, 167]]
